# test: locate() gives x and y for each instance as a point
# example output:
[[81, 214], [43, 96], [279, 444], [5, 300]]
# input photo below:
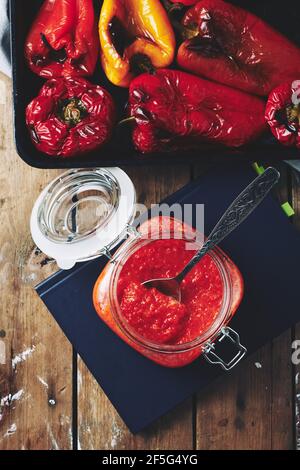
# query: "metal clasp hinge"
[[231, 335], [106, 252], [131, 230]]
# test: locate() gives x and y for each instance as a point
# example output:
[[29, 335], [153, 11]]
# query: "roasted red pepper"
[[70, 116], [173, 109], [283, 113], [232, 46], [63, 39]]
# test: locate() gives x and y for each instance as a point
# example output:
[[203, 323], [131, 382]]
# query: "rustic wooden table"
[[48, 398]]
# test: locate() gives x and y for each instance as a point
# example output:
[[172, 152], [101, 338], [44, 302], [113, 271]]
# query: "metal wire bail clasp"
[[212, 357], [131, 230]]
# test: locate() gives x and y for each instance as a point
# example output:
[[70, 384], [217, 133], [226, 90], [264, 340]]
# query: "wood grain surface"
[[48, 398]]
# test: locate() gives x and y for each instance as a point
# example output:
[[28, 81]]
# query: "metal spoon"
[[236, 213]]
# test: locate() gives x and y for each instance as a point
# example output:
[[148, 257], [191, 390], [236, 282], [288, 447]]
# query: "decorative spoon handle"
[[236, 213]]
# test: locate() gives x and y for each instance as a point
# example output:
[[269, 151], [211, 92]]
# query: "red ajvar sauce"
[[160, 318]]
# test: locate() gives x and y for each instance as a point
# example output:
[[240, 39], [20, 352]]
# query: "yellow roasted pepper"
[[135, 35]]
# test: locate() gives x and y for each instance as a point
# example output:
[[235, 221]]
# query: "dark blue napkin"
[[267, 250]]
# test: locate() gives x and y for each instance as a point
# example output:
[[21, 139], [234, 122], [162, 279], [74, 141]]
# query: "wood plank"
[[282, 411], [236, 413], [251, 409], [282, 374], [296, 335], [100, 427], [35, 375]]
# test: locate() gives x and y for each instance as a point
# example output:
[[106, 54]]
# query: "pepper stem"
[[174, 11], [126, 120], [185, 32], [293, 114], [72, 111]]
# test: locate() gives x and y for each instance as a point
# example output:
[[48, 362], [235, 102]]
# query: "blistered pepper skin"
[[283, 113], [234, 47], [174, 110], [70, 116], [63, 39], [147, 25]]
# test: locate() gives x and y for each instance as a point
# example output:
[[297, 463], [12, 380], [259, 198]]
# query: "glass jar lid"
[[82, 214]]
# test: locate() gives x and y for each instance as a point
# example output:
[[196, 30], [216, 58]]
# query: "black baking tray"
[[285, 17]]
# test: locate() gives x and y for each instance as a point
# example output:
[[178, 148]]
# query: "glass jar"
[[83, 214], [107, 303]]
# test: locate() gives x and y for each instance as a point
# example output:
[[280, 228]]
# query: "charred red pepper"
[[70, 116], [232, 46], [173, 110], [283, 113], [63, 39]]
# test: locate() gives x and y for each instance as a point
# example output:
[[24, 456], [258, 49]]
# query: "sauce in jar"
[[170, 333], [160, 318]]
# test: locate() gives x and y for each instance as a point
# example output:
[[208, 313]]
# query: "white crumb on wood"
[[29, 278], [88, 429], [70, 433], [9, 399], [23, 356], [43, 382], [52, 438], [11, 430], [78, 444], [79, 380], [65, 422], [116, 434], [258, 365]]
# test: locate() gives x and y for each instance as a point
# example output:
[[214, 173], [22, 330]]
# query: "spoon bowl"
[[169, 287]]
